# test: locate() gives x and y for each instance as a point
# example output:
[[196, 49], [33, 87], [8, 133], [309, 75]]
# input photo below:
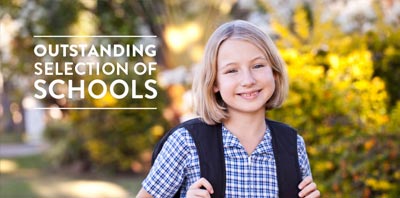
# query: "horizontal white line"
[[94, 36], [97, 108]]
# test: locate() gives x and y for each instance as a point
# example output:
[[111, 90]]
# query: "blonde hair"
[[209, 105]]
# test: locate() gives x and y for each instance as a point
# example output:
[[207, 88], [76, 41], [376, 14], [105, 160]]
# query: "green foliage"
[[368, 167], [338, 100], [394, 123], [15, 187], [108, 139], [61, 15], [386, 54], [119, 137]]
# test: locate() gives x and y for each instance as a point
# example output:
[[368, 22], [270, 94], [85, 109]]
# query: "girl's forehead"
[[238, 41], [239, 48]]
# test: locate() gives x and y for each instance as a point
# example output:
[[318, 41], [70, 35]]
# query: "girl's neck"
[[246, 125], [248, 128]]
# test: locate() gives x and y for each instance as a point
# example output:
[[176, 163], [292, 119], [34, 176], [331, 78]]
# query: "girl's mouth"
[[250, 95]]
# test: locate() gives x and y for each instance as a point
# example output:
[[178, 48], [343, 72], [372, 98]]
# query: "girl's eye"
[[258, 66], [230, 71]]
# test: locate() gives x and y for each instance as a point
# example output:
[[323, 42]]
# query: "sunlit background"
[[343, 58]]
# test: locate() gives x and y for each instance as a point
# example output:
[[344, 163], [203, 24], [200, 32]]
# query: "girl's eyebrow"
[[227, 64], [252, 60], [258, 57]]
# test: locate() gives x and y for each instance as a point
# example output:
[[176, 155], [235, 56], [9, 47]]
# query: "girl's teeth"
[[249, 94]]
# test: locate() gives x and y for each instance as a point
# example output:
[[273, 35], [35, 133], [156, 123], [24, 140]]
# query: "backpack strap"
[[284, 144], [210, 148], [209, 145]]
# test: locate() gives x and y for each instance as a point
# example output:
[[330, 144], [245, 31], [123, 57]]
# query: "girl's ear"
[[215, 89]]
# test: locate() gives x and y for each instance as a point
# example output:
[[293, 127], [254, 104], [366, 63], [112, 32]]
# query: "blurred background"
[[343, 58]]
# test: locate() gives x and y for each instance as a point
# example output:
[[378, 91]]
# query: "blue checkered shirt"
[[246, 176]]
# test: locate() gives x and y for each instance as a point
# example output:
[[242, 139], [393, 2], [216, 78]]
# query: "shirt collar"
[[231, 141]]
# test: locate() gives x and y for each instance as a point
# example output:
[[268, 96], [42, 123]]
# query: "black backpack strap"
[[210, 148], [209, 145], [284, 144]]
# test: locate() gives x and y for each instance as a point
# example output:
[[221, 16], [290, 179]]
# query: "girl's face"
[[244, 77]]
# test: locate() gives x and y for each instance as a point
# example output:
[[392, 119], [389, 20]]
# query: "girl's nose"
[[247, 79]]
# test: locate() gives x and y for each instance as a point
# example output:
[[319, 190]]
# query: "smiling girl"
[[242, 76]]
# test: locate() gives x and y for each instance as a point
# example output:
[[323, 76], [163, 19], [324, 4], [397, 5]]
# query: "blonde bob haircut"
[[209, 105]]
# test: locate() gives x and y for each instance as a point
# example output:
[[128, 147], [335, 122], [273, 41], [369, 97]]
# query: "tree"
[[85, 139]]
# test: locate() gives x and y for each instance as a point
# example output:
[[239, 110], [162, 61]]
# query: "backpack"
[[209, 145]]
